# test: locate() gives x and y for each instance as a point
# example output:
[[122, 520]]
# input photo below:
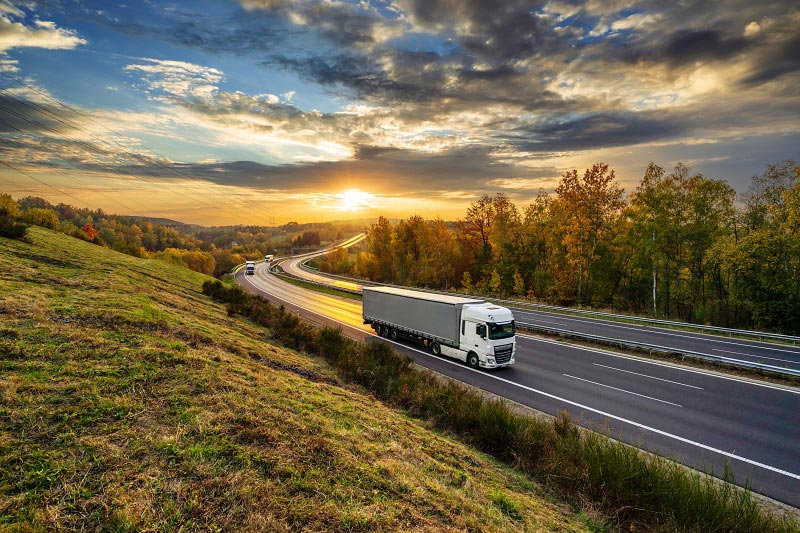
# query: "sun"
[[354, 199]]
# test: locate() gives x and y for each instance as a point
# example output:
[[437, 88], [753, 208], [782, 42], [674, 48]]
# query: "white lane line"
[[646, 376], [757, 356], [585, 407], [666, 365], [551, 322], [609, 415], [658, 331], [622, 390]]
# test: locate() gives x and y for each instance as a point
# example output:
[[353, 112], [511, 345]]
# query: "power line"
[[169, 169], [76, 180], [48, 185], [94, 149]]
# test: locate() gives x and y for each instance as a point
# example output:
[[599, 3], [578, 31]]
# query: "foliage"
[[679, 247], [10, 227]]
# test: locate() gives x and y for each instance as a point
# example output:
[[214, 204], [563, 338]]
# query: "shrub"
[[10, 228]]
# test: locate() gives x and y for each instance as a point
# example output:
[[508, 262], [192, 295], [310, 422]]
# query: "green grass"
[[636, 490], [131, 401]]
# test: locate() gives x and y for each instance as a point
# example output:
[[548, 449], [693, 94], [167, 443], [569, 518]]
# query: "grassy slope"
[[129, 399]]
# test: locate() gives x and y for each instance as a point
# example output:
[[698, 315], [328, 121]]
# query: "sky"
[[265, 111]]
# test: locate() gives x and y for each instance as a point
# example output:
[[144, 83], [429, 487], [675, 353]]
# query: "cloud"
[[41, 34], [178, 78]]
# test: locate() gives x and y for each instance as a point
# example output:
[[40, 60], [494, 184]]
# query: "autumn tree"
[[89, 231], [587, 207]]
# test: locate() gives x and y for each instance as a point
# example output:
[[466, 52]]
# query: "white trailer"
[[474, 331]]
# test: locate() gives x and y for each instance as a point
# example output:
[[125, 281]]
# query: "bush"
[[10, 228]]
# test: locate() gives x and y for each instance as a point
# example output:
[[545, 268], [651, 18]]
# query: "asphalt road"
[[779, 355], [775, 354], [702, 419]]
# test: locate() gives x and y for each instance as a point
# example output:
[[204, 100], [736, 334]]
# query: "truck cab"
[[250, 268], [488, 332]]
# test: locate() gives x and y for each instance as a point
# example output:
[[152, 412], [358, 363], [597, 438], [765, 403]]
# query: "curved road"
[[701, 418], [779, 355]]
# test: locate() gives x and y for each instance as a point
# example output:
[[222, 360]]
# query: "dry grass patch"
[[130, 401]]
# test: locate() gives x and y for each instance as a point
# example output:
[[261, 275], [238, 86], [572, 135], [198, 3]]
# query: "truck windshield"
[[501, 331]]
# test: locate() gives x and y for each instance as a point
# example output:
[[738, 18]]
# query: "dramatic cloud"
[[443, 98]]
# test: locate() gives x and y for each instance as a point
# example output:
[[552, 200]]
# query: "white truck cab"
[[488, 334]]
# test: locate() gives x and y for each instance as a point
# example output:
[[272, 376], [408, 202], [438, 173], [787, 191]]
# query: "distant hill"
[[160, 221], [131, 401]]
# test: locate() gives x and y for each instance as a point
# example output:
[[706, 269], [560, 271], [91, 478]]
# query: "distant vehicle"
[[268, 258], [250, 268], [474, 331]]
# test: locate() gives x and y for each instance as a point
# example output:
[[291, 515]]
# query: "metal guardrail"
[[760, 335], [579, 335], [663, 349]]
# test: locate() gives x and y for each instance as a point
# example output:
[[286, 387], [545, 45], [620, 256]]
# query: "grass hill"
[[131, 401]]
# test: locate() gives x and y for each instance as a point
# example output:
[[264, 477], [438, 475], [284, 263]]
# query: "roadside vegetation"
[[131, 401], [634, 489], [680, 246]]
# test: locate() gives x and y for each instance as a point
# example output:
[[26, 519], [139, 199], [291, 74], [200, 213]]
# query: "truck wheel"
[[472, 360], [393, 334], [384, 331], [436, 349]]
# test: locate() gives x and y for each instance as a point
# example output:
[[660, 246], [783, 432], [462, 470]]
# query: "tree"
[[588, 206], [379, 244], [519, 284], [41, 216], [90, 232], [9, 226]]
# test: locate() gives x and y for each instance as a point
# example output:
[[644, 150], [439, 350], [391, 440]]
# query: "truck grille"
[[502, 354]]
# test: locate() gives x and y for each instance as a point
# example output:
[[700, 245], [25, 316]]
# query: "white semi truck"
[[474, 331]]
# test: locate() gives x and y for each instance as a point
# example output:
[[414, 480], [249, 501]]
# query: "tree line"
[[681, 246], [210, 250]]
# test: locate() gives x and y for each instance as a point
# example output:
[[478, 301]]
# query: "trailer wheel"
[[393, 334], [384, 330], [436, 349], [472, 360]]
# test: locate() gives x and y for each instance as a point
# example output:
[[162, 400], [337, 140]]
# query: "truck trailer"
[[474, 331]]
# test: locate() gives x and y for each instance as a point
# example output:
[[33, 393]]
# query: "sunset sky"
[[262, 111]]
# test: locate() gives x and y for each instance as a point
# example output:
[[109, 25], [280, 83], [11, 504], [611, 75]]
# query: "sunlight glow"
[[354, 200]]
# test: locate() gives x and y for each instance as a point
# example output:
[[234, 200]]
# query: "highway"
[[779, 355], [700, 418]]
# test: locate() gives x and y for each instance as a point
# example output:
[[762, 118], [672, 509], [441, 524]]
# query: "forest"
[[681, 246], [210, 250]]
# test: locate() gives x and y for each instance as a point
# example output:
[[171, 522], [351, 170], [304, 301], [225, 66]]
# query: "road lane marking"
[[658, 331], [666, 365], [622, 390], [581, 406], [609, 415], [551, 322], [758, 356], [646, 376]]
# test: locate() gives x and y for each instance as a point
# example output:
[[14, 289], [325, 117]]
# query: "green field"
[[131, 401]]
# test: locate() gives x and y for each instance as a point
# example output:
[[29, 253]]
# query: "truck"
[[474, 331], [249, 268], [268, 258]]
